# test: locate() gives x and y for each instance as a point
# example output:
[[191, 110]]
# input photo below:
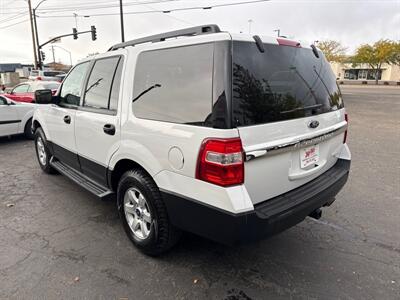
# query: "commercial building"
[[363, 72]]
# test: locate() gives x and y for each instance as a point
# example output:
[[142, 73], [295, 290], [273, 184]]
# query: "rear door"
[[288, 111], [97, 127]]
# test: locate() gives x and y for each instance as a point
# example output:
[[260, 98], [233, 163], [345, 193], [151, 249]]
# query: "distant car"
[[15, 117], [46, 75], [60, 77], [25, 92]]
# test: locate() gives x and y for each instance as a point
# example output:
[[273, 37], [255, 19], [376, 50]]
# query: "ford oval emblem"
[[313, 124]]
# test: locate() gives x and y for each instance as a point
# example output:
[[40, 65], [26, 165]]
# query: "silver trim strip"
[[291, 146]]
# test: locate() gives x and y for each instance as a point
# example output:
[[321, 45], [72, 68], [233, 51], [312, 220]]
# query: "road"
[[59, 242]]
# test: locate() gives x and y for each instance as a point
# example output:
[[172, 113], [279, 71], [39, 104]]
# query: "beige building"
[[363, 72]]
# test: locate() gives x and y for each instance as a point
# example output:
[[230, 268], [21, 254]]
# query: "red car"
[[25, 92]]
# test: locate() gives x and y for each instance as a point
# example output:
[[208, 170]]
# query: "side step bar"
[[98, 190]]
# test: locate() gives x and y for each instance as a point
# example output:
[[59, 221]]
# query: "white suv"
[[231, 137]]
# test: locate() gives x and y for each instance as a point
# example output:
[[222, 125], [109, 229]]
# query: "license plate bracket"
[[309, 156]]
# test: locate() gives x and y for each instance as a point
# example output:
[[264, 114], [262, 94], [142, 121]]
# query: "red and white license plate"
[[309, 156]]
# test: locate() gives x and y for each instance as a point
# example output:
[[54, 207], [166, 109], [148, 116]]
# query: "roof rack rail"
[[198, 30]]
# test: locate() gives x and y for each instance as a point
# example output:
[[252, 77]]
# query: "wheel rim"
[[41, 151], [137, 213]]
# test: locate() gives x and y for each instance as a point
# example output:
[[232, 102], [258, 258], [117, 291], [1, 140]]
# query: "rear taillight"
[[221, 162], [38, 78], [346, 117]]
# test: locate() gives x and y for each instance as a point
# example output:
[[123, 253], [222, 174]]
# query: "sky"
[[351, 22]]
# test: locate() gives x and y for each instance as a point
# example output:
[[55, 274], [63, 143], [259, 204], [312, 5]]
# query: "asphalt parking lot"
[[57, 241]]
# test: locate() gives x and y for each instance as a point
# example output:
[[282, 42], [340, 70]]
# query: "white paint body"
[[149, 142], [14, 111]]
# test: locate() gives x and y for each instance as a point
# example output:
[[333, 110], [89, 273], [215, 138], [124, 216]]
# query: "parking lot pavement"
[[57, 241]]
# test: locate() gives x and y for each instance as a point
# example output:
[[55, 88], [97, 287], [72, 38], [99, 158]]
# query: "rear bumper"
[[269, 217]]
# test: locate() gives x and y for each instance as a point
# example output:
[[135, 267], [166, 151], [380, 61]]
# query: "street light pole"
[[278, 31], [121, 13], [39, 64], [33, 34], [69, 52]]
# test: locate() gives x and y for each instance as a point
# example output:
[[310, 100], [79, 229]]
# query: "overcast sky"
[[352, 22]]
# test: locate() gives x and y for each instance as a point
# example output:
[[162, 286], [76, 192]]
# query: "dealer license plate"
[[309, 156]]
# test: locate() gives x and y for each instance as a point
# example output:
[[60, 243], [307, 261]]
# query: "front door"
[[9, 119], [61, 117], [21, 93], [97, 124]]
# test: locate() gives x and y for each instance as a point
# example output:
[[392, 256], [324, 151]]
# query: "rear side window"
[[23, 88], [100, 89], [175, 85], [280, 84]]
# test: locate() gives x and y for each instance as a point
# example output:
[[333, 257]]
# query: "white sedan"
[[15, 117]]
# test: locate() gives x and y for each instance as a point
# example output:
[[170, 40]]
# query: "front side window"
[[72, 86], [99, 86], [175, 85], [3, 101], [23, 88]]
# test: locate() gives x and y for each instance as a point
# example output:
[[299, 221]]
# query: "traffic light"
[[75, 33], [94, 34], [42, 55]]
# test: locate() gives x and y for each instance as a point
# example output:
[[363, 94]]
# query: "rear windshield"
[[280, 84], [51, 73]]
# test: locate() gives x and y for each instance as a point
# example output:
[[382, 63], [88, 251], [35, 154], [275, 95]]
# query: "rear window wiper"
[[157, 85], [301, 108]]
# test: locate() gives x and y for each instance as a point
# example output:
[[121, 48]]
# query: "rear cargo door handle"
[[67, 119], [303, 174], [109, 129]]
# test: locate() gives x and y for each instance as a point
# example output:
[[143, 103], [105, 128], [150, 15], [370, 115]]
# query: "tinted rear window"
[[280, 84], [175, 85]]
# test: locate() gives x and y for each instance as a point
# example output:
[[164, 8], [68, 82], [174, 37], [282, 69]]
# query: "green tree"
[[382, 51], [333, 50]]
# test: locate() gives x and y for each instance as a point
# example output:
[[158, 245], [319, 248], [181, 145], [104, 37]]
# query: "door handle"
[[109, 129], [67, 119]]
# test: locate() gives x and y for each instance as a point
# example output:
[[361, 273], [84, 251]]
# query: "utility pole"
[[54, 58], [33, 34], [39, 59], [121, 13]]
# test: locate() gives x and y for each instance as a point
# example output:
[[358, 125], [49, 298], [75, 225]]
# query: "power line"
[[4, 27], [91, 6], [160, 11]]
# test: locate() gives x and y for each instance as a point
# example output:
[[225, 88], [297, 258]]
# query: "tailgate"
[[278, 166]]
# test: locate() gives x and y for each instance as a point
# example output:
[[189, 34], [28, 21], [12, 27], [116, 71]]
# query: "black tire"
[[28, 131], [163, 235], [45, 164]]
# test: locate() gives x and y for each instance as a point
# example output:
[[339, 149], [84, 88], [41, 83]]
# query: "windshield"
[[282, 83]]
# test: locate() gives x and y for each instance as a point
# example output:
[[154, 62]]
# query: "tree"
[[382, 51], [333, 50]]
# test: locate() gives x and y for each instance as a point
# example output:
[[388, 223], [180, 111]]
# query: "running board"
[[98, 190]]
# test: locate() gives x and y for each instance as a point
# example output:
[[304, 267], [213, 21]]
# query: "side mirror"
[[43, 96]]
